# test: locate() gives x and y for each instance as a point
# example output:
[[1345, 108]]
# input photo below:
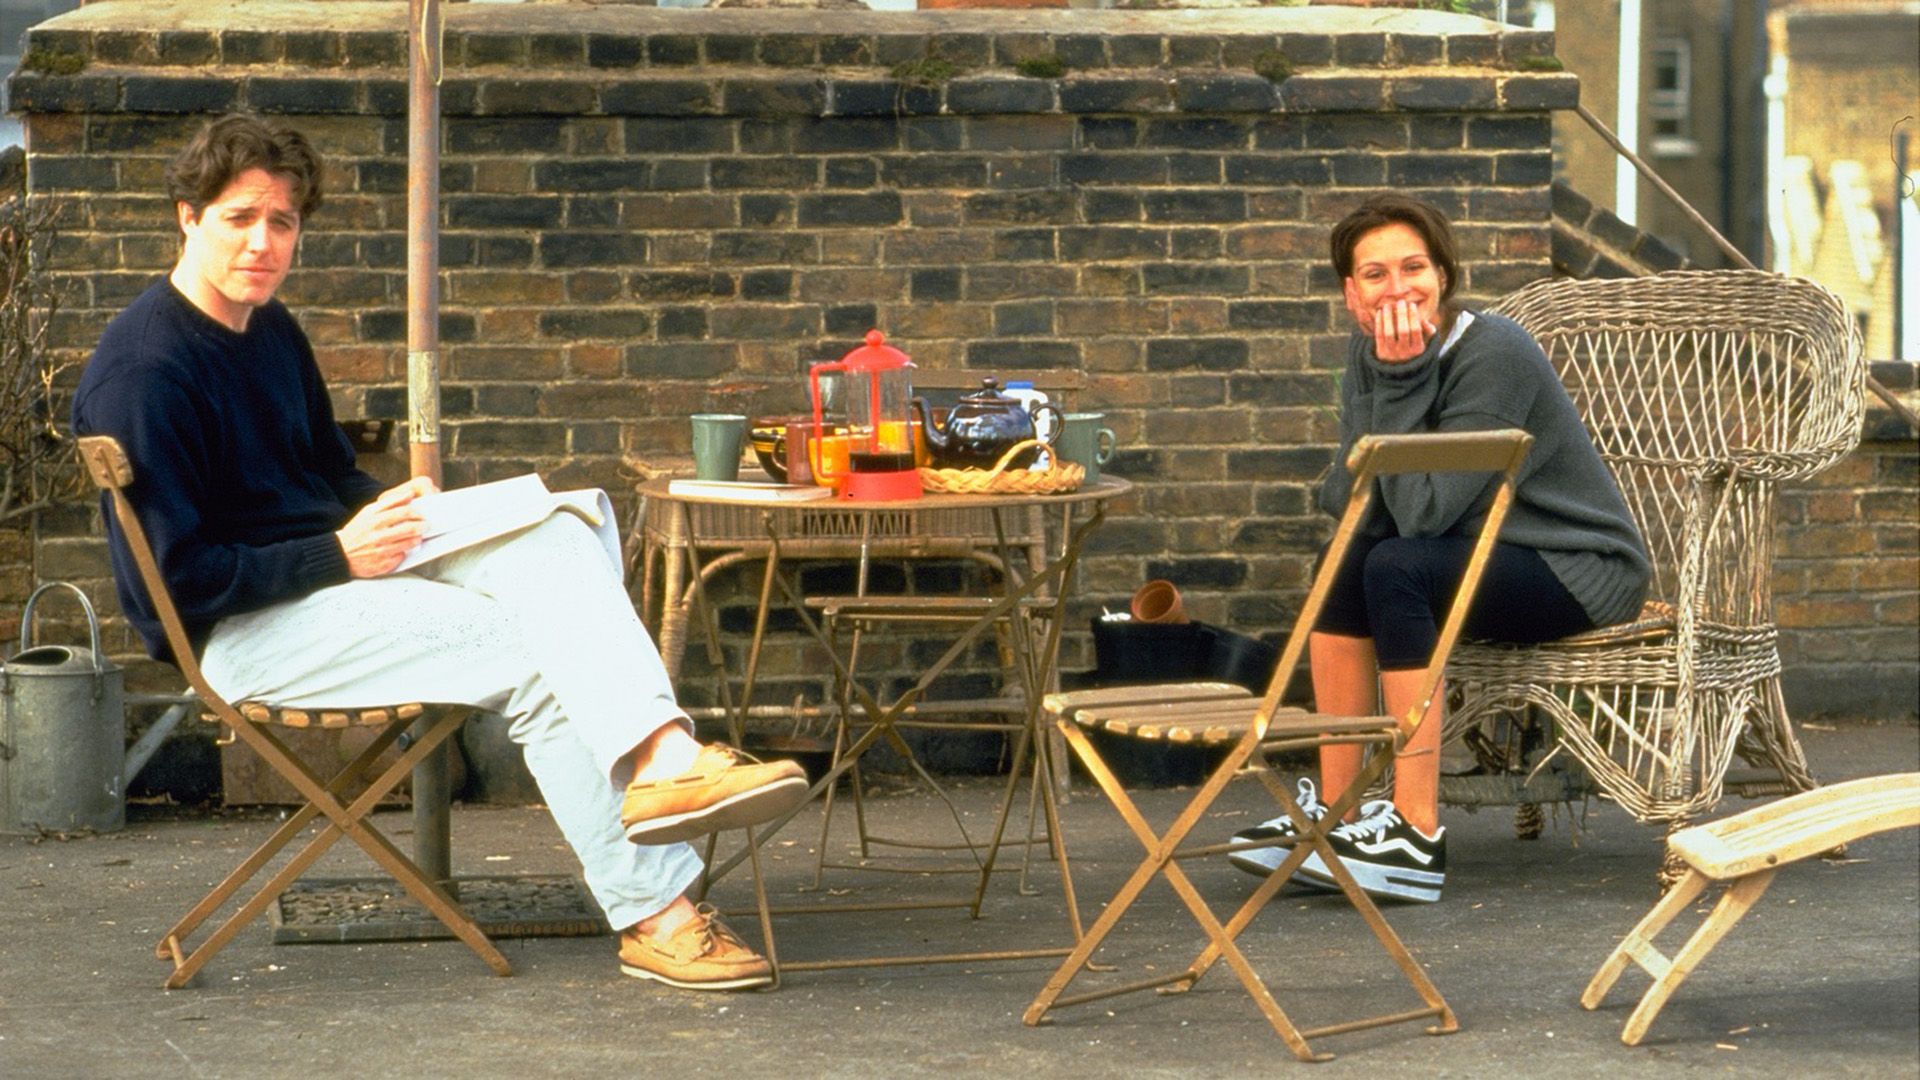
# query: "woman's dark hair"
[[233, 144], [1392, 209]]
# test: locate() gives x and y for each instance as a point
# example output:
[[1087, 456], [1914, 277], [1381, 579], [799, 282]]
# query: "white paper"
[[461, 518]]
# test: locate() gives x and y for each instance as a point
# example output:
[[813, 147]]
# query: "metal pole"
[[432, 778]]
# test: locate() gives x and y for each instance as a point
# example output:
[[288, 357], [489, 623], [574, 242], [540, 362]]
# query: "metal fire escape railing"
[[1892, 400]]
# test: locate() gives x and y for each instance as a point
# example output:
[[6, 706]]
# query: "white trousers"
[[534, 626]]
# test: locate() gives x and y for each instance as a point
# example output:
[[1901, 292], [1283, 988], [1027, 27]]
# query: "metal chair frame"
[[1220, 715]]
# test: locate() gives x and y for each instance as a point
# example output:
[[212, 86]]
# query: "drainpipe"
[[1626, 124]]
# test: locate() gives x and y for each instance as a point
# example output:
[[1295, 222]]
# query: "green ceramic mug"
[[1082, 439], [717, 438]]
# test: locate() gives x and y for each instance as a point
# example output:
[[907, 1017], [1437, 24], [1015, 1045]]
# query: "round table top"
[[1098, 491]]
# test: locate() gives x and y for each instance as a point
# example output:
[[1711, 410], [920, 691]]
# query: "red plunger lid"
[[875, 355]]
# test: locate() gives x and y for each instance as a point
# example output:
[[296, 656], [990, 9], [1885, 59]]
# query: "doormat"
[[332, 911]]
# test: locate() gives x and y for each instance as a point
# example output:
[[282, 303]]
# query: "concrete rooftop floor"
[[1823, 978]]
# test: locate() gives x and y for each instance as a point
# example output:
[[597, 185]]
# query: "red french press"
[[877, 387]]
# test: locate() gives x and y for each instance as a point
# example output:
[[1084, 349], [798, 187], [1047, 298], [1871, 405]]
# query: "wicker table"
[[1033, 541]]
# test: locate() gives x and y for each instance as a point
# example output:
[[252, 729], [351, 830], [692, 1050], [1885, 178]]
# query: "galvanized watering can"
[[63, 733]]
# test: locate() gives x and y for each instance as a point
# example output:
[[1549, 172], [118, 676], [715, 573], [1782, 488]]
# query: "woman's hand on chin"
[[1400, 332]]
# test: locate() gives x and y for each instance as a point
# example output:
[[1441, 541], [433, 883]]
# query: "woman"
[[1569, 558]]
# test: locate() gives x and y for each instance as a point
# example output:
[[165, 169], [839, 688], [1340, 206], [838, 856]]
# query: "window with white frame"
[[1670, 97]]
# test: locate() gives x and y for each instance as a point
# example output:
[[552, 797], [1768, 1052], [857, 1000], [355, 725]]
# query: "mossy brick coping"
[[790, 93], [581, 37]]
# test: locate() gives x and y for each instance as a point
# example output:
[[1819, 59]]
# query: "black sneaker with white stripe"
[[1278, 831], [1386, 856]]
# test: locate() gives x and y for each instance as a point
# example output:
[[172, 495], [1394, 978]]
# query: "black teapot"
[[983, 426]]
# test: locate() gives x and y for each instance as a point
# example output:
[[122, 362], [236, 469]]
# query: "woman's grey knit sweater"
[[1566, 505]]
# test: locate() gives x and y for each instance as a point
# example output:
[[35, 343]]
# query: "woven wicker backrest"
[[1704, 375]]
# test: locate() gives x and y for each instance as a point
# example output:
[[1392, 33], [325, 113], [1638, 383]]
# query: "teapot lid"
[[989, 394], [876, 355]]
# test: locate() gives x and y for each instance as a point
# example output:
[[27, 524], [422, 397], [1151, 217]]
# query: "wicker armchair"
[[1703, 391]]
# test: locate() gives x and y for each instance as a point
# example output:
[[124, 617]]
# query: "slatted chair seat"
[[344, 801], [259, 712], [1745, 851]]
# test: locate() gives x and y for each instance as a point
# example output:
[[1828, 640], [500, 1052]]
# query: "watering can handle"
[[93, 623]]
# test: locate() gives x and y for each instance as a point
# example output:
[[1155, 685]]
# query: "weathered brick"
[[1437, 170], [1195, 206], [1299, 315], [1332, 93], [535, 97], [125, 48], [179, 94], [1225, 91], [689, 135], [878, 208], [1189, 279], [571, 249], [302, 95], [615, 323], [658, 97], [1273, 169], [556, 50], [573, 174], [185, 47], [1473, 50], [758, 173], [615, 51], [1208, 354], [1360, 50], [1523, 169], [1443, 92], [314, 48], [484, 136], [783, 96], [838, 136], [1557, 91], [681, 360], [1026, 355], [996, 94], [1096, 94], [71, 173]]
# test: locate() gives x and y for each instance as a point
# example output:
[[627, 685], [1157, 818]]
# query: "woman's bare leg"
[[1345, 683], [1416, 770]]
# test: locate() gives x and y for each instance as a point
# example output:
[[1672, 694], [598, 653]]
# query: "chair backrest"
[[1373, 456], [110, 470], [1704, 376]]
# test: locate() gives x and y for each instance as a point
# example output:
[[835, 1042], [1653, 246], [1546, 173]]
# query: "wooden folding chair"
[[1745, 851], [251, 722], [1217, 714]]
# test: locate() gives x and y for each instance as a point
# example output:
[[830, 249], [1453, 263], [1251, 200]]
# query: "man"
[[280, 555]]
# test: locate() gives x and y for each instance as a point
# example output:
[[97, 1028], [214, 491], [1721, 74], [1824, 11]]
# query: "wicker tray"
[[1003, 480]]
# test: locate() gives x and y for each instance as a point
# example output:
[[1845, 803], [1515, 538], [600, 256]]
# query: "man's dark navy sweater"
[[240, 475]]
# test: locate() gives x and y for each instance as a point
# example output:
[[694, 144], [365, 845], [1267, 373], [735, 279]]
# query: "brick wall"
[[1847, 573], [650, 213]]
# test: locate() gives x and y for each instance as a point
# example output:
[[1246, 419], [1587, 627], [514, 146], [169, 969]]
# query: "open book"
[[467, 516]]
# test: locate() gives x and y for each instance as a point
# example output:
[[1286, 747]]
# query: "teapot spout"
[[937, 440]]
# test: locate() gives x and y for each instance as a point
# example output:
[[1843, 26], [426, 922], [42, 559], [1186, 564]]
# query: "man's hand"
[[384, 530], [1400, 332]]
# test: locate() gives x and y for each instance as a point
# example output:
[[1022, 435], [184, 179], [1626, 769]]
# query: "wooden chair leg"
[[169, 946], [1738, 899], [1637, 946]]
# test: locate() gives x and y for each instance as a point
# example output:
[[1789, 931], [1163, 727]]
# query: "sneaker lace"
[[1375, 819], [1309, 800]]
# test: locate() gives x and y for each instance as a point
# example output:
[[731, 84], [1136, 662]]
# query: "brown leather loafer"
[[703, 954], [723, 790]]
